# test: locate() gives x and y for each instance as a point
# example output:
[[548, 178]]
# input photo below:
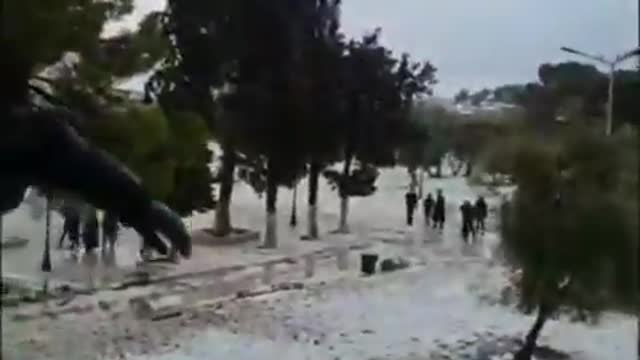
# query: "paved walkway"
[[378, 217]]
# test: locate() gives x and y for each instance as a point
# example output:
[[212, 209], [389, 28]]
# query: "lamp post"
[[611, 64]]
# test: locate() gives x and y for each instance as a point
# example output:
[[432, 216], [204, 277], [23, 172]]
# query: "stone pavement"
[[104, 270], [371, 218]]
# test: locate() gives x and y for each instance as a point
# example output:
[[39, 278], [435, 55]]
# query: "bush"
[[571, 229]]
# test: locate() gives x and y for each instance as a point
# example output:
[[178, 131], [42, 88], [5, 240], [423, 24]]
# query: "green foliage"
[[413, 151], [569, 227], [471, 136], [575, 92], [361, 181], [436, 131], [478, 97], [41, 31], [36, 33], [380, 94], [138, 137], [320, 92], [168, 152], [461, 97]]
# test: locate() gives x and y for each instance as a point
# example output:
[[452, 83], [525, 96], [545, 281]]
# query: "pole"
[[609, 128], [294, 219], [46, 256], [612, 70]]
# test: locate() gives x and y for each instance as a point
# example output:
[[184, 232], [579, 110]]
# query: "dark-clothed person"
[[467, 220], [427, 206], [481, 212], [438, 215], [411, 200]]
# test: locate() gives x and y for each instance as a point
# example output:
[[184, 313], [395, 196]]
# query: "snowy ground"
[[447, 301]]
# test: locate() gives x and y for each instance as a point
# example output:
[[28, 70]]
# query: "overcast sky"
[[484, 43]]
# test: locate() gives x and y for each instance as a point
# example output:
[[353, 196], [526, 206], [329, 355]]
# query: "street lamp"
[[612, 68]]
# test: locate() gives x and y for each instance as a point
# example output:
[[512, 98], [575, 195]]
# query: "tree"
[[413, 151], [322, 102], [192, 77], [188, 149], [479, 97], [472, 136], [282, 102], [169, 153], [71, 27], [573, 91], [582, 256], [440, 124], [509, 94], [461, 97], [379, 93], [138, 136]]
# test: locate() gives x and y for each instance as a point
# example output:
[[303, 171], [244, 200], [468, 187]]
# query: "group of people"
[[434, 209], [77, 226], [473, 215]]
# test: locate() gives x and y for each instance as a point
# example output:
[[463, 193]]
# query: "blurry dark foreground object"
[[38, 148]]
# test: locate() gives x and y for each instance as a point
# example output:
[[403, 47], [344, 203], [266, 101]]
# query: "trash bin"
[[368, 265]]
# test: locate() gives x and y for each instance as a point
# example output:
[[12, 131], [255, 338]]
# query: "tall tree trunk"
[[271, 229], [1, 228], [46, 255], [312, 223], [439, 169], [293, 221], [222, 222], [343, 226], [526, 352]]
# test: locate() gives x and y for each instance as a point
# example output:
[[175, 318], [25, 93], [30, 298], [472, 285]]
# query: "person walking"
[[411, 200], [427, 205], [481, 212], [438, 216], [467, 220]]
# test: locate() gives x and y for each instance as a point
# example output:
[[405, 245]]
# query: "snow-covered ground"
[[447, 300], [393, 316]]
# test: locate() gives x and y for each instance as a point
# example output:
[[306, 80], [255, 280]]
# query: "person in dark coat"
[[90, 234], [71, 227], [427, 205], [467, 220], [411, 200], [481, 212], [438, 216]]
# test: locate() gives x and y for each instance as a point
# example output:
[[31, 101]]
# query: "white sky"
[[485, 43]]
